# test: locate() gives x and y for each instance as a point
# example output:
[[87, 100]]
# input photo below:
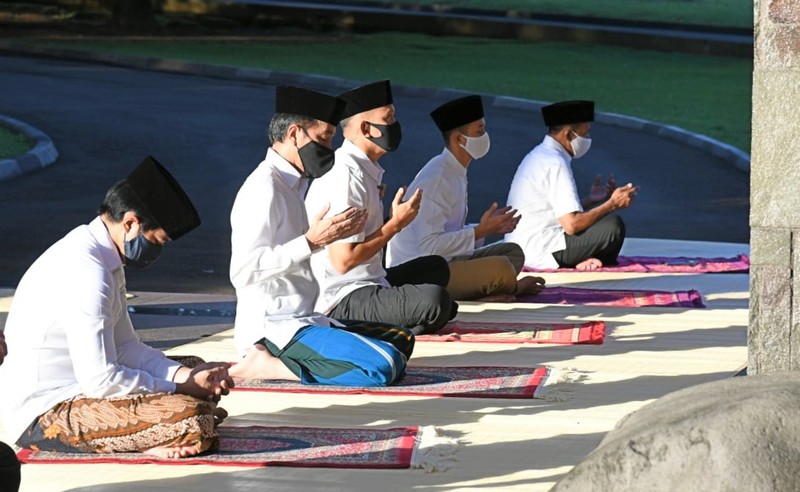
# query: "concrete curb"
[[41, 155], [736, 157]]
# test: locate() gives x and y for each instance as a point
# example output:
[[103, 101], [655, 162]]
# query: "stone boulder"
[[739, 434]]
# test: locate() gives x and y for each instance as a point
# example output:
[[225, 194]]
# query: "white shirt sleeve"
[[438, 207], [254, 257], [91, 331], [561, 192], [342, 190]]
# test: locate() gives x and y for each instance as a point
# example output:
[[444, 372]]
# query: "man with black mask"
[[78, 378], [353, 281], [277, 331]]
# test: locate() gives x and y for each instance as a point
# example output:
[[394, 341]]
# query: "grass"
[[719, 13], [13, 144], [708, 95]]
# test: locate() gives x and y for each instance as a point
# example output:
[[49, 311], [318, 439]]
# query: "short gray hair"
[[281, 122]]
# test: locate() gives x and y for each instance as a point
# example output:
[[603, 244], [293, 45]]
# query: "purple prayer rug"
[[616, 298], [667, 264], [591, 332]]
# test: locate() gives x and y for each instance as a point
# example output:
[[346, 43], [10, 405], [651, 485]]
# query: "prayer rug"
[[278, 446], [616, 298], [469, 382], [666, 264], [591, 332]]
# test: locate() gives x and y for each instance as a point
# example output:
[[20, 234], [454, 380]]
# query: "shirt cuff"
[[171, 371], [164, 386], [299, 249], [476, 243]]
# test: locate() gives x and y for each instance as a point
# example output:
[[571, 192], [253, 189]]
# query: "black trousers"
[[602, 240], [417, 298], [9, 469]]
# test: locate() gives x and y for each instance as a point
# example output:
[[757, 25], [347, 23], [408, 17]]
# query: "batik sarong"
[[124, 424]]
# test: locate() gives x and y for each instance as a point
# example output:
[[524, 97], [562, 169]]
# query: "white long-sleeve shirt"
[[69, 333], [270, 269], [543, 189], [353, 182], [439, 228]]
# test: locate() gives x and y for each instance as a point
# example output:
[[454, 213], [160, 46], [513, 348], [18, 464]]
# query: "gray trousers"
[[417, 298], [603, 241]]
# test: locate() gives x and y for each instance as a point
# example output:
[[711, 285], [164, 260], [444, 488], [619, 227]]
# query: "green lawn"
[[721, 13], [12, 144], [709, 95]]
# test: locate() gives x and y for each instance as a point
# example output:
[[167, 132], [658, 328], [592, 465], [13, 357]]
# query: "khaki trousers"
[[488, 271]]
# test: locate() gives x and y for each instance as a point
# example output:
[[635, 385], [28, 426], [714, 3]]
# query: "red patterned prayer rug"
[[617, 298], [665, 264], [470, 382], [591, 332], [287, 446]]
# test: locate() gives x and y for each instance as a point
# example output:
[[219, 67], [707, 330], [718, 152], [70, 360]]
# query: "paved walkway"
[[507, 445]]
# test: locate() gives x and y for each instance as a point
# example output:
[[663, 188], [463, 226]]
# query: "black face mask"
[[390, 136], [140, 252], [317, 159]]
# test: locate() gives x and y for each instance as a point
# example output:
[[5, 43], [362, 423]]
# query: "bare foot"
[[530, 285], [260, 364], [590, 264], [172, 453]]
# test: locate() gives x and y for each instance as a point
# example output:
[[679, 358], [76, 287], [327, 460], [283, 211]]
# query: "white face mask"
[[580, 146], [477, 147]]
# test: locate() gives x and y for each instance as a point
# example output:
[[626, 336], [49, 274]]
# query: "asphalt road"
[[211, 133]]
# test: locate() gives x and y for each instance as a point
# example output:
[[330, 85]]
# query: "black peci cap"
[[304, 102], [366, 97], [162, 198], [458, 112], [568, 112]]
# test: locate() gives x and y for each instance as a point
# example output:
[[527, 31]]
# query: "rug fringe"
[[433, 451], [559, 384]]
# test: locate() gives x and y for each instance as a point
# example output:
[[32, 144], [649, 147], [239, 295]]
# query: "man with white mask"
[[476, 271], [559, 230]]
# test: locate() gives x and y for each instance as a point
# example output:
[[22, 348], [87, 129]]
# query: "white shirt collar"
[[108, 249], [285, 170], [372, 169], [553, 144], [452, 165]]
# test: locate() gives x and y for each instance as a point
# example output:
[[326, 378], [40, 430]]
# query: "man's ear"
[[129, 220], [365, 128], [291, 133], [457, 138]]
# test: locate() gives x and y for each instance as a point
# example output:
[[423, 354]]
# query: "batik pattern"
[[123, 424]]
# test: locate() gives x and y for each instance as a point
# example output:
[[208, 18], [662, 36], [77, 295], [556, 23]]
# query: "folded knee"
[[439, 301], [618, 226], [385, 373]]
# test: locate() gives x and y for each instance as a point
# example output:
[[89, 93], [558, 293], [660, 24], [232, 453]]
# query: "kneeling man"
[[277, 330]]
